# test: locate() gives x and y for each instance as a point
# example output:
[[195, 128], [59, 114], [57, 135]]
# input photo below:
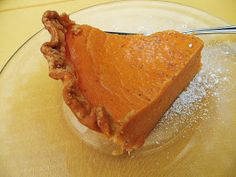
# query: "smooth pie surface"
[[125, 73], [135, 78]]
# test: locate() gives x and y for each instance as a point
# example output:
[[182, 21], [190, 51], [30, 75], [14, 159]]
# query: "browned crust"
[[95, 118]]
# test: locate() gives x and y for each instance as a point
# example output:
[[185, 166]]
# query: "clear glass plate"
[[196, 137]]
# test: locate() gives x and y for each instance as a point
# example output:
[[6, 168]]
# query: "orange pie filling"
[[119, 85]]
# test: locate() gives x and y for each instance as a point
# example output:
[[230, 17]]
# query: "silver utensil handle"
[[220, 30]]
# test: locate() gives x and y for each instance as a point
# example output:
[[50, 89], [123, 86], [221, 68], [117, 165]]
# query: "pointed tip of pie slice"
[[119, 85]]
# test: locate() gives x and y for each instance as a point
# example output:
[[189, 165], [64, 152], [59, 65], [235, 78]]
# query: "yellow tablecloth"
[[20, 19]]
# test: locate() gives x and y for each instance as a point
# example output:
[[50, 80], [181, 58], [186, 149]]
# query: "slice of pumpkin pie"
[[119, 85]]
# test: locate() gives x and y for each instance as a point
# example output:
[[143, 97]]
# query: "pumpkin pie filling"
[[119, 85]]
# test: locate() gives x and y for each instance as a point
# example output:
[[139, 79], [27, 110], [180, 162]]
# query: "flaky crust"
[[95, 118]]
